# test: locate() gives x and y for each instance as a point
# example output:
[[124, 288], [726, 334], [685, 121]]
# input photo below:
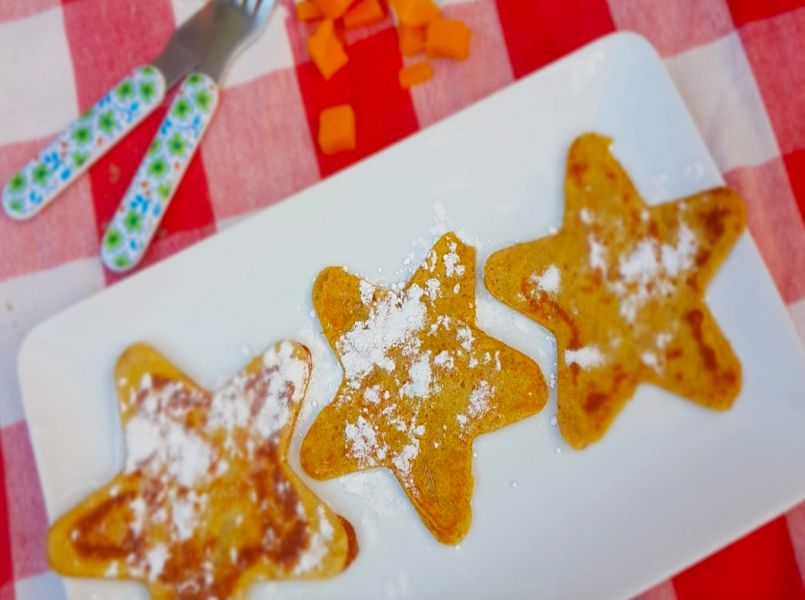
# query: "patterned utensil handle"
[[141, 211], [83, 142]]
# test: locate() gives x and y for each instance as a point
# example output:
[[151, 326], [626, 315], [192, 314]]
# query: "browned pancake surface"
[[621, 285], [421, 381], [207, 503]]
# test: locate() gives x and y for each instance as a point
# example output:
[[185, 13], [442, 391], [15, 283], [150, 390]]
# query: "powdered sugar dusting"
[[679, 257], [319, 544], [183, 512], [180, 438], [432, 288], [452, 262], [372, 394], [403, 460], [392, 322], [598, 254], [159, 443], [587, 357], [444, 359], [398, 358], [479, 398], [367, 291], [647, 271], [650, 360], [233, 405], [155, 561], [548, 280], [466, 338], [362, 442], [137, 507], [662, 340], [420, 377], [641, 264]]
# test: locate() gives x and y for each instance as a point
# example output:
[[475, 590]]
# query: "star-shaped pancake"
[[421, 381], [207, 503], [621, 285]]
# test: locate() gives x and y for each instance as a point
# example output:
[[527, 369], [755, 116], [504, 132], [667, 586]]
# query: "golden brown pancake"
[[207, 503], [421, 381], [621, 285]]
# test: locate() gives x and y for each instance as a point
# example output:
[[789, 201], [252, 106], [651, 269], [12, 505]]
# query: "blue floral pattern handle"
[[141, 211], [83, 142]]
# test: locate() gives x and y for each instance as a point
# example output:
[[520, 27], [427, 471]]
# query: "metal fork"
[[202, 49]]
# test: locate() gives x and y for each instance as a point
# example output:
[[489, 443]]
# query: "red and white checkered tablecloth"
[[740, 65]]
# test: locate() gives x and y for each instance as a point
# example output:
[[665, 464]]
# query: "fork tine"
[[250, 7]]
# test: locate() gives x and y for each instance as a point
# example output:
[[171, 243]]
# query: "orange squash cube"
[[308, 11], [397, 5], [337, 129], [415, 74], [411, 39], [417, 12], [365, 12], [333, 9], [326, 50], [448, 39]]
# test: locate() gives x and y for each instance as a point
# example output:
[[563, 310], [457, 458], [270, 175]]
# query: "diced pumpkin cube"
[[365, 12], [326, 50], [411, 39], [448, 39], [397, 5], [337, 129], [308, 11], [414, 74], [417, 12], [333, 9]]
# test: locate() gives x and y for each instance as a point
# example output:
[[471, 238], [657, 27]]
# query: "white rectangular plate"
[[669, 483]]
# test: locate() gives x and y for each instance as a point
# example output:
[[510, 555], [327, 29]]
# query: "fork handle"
[[150, 192], [83, 142]]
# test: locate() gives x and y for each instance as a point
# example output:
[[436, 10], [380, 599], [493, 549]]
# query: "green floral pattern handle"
[[83, 142], [141, 211]]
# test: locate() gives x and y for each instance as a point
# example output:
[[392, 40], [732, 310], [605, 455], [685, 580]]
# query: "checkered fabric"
[[739, 64]]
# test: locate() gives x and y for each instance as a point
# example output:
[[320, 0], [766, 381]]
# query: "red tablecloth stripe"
[[540, 32], [6, 566], [384, 112], [746, 11], [795, 165], [107, 38], [760, 566], [191, 207]]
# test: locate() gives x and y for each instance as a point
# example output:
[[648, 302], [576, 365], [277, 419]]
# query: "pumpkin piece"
[[411, 39], [416, 12], [333, 9], [448, 39], [337, 129], [308, 11], [415, 74], [326, 49], [364, 13]]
